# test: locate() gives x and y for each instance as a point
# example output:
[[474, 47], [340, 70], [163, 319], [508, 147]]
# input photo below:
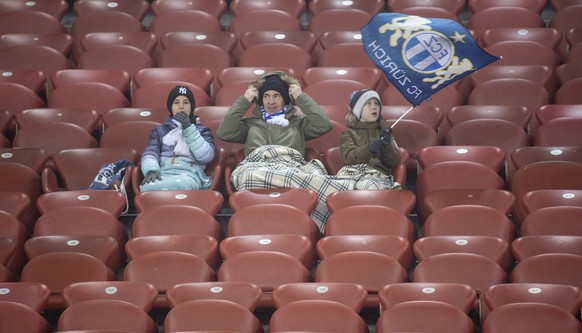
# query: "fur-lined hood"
[[288, 79]]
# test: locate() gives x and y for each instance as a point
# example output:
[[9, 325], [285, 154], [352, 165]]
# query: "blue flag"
[[419, 55]]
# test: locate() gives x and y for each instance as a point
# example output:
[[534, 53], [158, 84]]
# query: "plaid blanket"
[[274, 166]]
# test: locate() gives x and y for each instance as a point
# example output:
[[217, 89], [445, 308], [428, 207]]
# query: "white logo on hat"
[[182, 90]]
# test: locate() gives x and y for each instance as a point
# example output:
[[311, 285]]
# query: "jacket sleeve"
[[316, 122], [233, 128], [351, 152], [150, 159], [201, 143]]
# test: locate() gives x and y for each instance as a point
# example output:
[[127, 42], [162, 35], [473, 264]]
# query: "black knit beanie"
[[274, 82], [177, 91]]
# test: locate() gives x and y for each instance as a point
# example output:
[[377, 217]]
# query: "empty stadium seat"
[[401, 200], [380, 220], [543, 175], [138, 9], [529, 246], [494, 248], [16, 316], [17, 233], [58, 269], [15, 177], [520, 115], [536, 6], [454, 175], [477, 271], [208, 315], [352, 295], [101, 21], [244, 293], [118, 115], [87, 95], [59, 41], [143, 40], [16, 204], [106, 314], [128, 135], [124, 57], [32, 294], [276, 55], [201, 77], [457, 294], [166, 269], [56, 8], [31, 78], [316, 315], [469, 220], [538, 199], [453, 6], [257, 220], [203, 246], [53, 137], [208, 200], [393, 246], [302, 198], [567, 297], [103, 247], [216, 8], [251, 266], [519, 318], [141, 294], [439, 317], [84, 118], [37, 22], [492, 156], [297, 246], [563, 222], [179, 222], [503, 17], [34, 158], [369, 269]]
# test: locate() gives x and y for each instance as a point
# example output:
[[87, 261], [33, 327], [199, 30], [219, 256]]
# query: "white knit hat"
[[359, 98]]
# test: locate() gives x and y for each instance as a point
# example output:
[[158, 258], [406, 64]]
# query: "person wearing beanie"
[[274, 99], [177, 151], [367, 139]]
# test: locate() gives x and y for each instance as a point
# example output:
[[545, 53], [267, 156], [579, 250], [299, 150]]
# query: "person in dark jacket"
[[367, 139], [178, 150]]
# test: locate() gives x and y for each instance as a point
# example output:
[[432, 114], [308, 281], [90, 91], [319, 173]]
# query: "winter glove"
[[183, 118], [375, 147], [386, 136], [151, 177]]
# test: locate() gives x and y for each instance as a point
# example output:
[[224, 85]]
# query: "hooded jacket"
[[354, 146], [255, 132]]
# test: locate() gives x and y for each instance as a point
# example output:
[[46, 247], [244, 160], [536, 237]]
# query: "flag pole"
[[402, 116]]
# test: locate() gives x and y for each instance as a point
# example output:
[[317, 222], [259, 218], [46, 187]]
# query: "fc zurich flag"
[[421, 55]]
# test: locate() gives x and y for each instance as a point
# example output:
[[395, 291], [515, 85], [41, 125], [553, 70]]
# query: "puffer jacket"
[[198, 137], [354, 146], [254, 132]]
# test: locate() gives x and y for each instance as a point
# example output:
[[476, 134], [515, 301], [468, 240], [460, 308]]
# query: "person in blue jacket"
[[178, 150]]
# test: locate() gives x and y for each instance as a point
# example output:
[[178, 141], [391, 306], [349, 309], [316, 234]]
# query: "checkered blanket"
[[280, 167]]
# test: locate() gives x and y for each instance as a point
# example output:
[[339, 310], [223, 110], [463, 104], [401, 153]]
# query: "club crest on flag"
[[419, 55]]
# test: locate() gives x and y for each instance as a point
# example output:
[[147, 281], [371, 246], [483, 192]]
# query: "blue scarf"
[[275, 118]]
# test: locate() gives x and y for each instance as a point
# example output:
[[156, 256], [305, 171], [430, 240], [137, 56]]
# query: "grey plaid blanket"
[[274, 166]]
